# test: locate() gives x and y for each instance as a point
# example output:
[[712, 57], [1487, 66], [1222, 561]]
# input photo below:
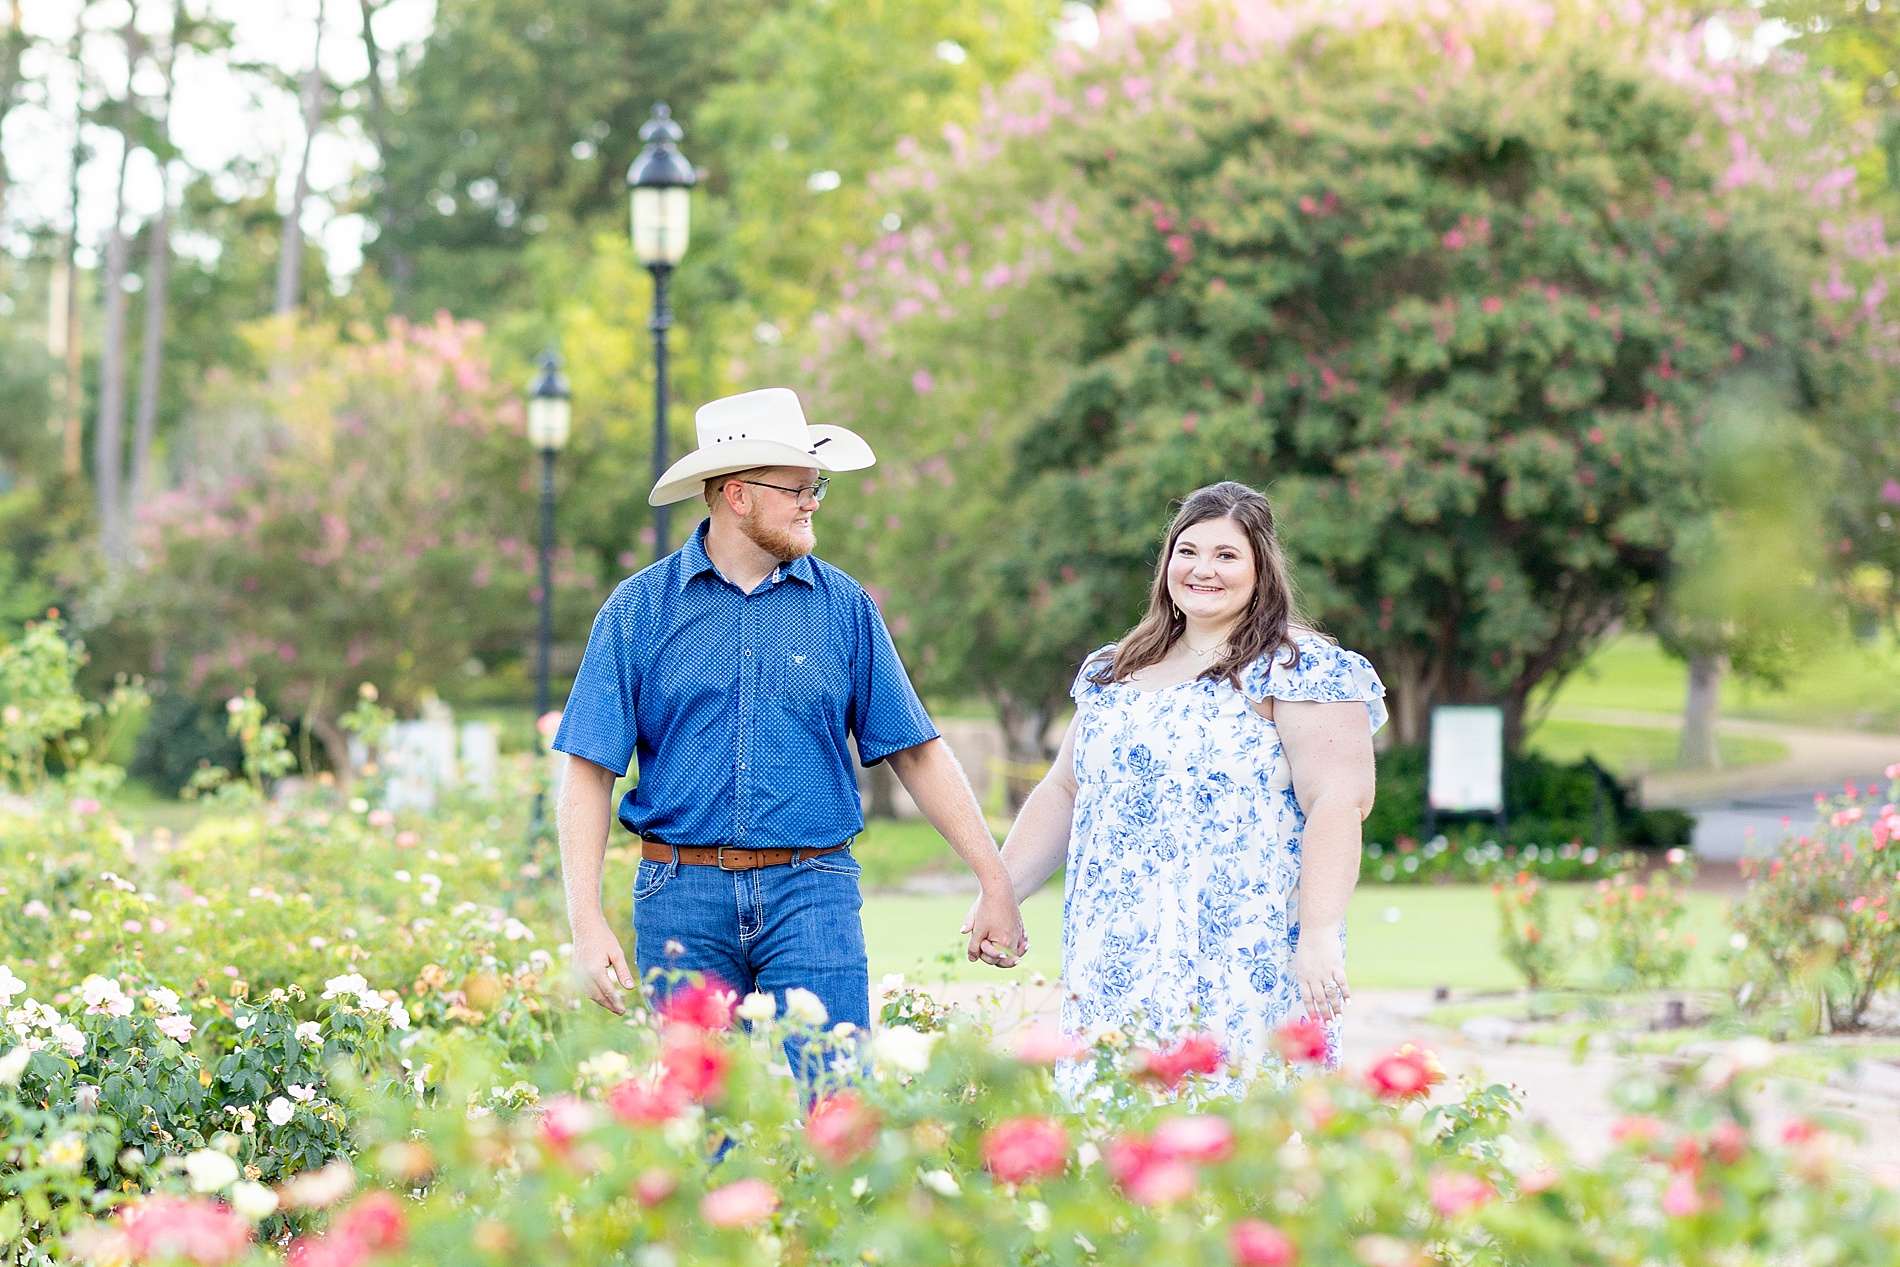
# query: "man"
[[735, 667]]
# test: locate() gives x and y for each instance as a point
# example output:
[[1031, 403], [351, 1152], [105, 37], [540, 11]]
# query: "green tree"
[[348, 519], [1462, 326]]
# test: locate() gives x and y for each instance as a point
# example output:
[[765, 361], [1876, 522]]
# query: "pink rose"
[[1026, 1148], [1040, 1044], [738, 1204], [1456, 1192], [1256, 1244], [1203, 1139]]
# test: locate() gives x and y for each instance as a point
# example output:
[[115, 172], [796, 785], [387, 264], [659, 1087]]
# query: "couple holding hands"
[[1206, 801]]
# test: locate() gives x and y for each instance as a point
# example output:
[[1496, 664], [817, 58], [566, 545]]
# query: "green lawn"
[[1854, 685], [1443, 935], [1630, 750]]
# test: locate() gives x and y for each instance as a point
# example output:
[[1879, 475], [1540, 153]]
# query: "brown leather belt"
[[731, 857]]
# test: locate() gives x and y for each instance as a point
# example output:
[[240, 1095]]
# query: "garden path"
[[1729, 803], [1569, 1094]]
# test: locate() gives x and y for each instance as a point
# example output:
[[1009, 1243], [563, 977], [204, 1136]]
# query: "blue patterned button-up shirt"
[[738, 705]]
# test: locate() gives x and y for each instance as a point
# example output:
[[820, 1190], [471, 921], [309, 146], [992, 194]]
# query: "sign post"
[[1465, 776]]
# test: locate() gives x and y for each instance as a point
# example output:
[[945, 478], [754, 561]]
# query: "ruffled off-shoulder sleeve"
[[1083, 688], [1326, 674]]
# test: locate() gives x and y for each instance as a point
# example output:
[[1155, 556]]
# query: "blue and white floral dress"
[[1181, 901]]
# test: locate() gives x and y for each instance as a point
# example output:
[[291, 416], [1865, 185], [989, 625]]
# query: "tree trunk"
[[157, 296], [11, 81], [336, 746], [151, 358], [1412, 685], [72, 387], [1700, 712], [399, 266], [1026, 750], [290, 249], [109, 435]]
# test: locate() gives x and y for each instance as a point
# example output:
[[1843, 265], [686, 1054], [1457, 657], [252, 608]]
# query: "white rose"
[[903, 1048], [210, 1170], [302, 1095], [310, 1034], [398, 1016], [13, 1066], [802, 1007], [280, 1110], [176, 1028], [941, 1182], [350, 983], [1037, 1219], [253, 1200], [757, 1008], [72, 1038], [10, 985], [165, 1000]]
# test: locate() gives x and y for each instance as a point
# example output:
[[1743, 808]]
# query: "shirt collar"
[[694, 561]]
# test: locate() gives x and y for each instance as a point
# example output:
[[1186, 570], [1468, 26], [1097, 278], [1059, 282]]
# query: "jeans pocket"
[[840, 863], [652, 877]]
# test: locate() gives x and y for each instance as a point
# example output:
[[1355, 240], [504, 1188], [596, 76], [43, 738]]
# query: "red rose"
[[1256, 1244], [706, 1005], [376, 1221], [1304, 1042], [841, 1128], [1404, 1073], [695, 1067], [1194, 1054], [1026, 1148]]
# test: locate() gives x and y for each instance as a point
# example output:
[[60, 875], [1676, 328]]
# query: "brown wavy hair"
[[1273, 613]]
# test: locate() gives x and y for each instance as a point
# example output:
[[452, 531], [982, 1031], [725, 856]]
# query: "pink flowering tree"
[[1456, 290], [362, 512]]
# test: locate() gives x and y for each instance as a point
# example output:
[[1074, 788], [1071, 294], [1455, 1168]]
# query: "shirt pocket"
[[810, 687]]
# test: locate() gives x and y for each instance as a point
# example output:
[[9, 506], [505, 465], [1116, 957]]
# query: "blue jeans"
[[771, 930]]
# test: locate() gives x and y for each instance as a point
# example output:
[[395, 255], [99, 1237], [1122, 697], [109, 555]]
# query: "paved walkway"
[[1570, 1095], [1729, 805]]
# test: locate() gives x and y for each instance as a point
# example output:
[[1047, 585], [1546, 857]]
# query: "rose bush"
[[1816, 935]]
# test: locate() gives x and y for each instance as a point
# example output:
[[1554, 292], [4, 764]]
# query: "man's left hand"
[[995, 926]]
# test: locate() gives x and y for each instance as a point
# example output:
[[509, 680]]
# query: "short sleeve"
[[1083, 689], [598, 722], [1325, 674], [886, 713]]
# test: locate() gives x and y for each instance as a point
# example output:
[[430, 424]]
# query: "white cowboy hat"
[[762, 428]]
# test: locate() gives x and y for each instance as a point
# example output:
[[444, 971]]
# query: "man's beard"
[[780, 543]]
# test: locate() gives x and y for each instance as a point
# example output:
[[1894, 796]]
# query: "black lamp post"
[[662, 183], [549, 415]]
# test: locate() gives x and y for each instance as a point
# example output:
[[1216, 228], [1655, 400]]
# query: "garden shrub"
[[1635, 922], [180, 735], [1816, 932], [1527, 938]]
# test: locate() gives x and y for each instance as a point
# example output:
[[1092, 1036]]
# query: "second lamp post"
[[662, 183], [548, 421]]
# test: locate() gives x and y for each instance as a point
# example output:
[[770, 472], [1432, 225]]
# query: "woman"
[[1207, 800]]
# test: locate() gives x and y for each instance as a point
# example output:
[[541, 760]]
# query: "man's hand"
[[601, 966], [995, 926], [1319, 965]]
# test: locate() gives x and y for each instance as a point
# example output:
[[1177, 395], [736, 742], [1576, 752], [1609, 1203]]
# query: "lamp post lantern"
[[549, 415], [662, 182]]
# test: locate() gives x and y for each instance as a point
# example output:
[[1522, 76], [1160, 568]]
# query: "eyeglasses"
[[816, 491]]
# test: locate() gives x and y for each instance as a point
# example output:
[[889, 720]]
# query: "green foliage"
[[1574, 811], [180, 736], [1816, 932]]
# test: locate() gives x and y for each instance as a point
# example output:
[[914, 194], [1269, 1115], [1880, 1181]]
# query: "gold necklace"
[[1203, 654]]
